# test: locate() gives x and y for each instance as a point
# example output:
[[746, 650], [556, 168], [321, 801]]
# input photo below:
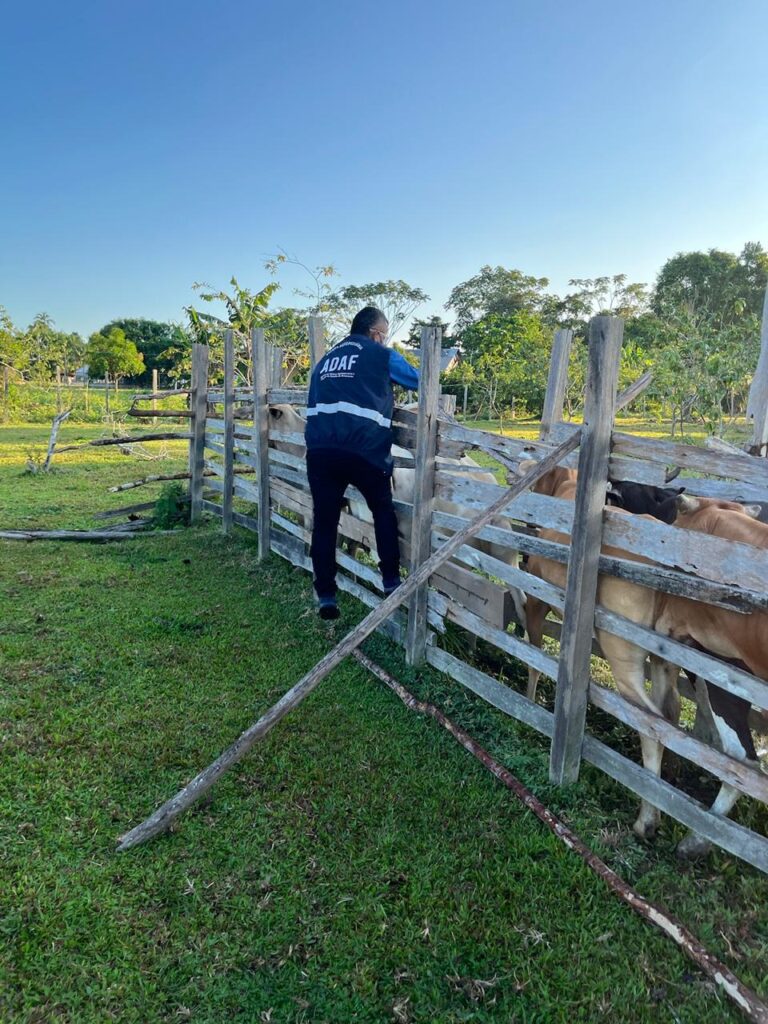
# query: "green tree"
[[113, 355], [396, 299], [497, 291], [414, 332], [717, 285], [244, 310], [509, 356], [158, 343]]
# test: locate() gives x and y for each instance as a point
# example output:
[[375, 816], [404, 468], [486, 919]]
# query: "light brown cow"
[[730, 635]]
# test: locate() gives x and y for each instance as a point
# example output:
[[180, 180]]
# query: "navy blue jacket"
[[350, 400]]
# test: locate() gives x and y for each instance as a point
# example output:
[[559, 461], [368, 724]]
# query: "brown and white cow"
[[730, 635]]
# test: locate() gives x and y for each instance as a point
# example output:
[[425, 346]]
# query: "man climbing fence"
[[349, 441]]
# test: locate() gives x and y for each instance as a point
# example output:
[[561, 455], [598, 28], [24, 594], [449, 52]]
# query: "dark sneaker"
[[328, 608], [390, 587]]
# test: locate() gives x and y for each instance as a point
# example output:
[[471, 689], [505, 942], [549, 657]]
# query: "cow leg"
[[535, 613], [730, 715], [664, 692], [628, 666]]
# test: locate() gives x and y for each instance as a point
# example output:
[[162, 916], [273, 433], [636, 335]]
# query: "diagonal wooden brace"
[[194, 790]]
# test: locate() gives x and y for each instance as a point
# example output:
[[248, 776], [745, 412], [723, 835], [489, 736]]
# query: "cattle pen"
[[237, 431]]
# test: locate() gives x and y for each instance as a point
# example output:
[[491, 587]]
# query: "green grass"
[[357, 866]]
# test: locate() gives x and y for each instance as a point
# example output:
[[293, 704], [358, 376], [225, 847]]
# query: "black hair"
[[367, 318]]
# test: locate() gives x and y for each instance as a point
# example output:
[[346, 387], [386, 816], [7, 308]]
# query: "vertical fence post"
[[605, 337], [262, 371], [154, 391], [198, 404], [316, 330], [757, 406], [557, 382], [229, 431], [278, 355], [423, 488]]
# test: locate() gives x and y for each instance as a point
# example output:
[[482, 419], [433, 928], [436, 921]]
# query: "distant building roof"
[[449, 357]]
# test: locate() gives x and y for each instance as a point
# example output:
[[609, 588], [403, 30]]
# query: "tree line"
[[698, 327]]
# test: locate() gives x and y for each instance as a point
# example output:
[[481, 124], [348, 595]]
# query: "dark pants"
[[330, 472]]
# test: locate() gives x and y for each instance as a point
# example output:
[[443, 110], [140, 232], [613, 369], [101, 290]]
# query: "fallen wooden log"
[[79, 535], [160, 820], [168, 435], [748, 1001], [168, 476], [148, 414], [128, 510]]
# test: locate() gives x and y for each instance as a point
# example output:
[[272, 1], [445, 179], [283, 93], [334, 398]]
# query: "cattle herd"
[[740, 639]]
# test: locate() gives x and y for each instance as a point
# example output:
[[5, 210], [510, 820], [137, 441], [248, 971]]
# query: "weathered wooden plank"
[[217, 427], [489, 602], [289, 437], [735, 773], [728, 490], [125, 510], [557, 381], [214, 446], [248, 490], [507, 642], [725, 833], [288, 499], [296, 477], [750, 470], [198, 403], [757, 404], [211, 507], [495, 693], [246, 460], [287, 396], [260, 357], [423, 487], [316, 332], [605, 338], [711, 558], [229, 430], [731, 597], [286, 459]]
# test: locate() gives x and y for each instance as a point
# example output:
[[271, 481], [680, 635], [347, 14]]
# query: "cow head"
[[645, 499], [687, 505], [285, 420]]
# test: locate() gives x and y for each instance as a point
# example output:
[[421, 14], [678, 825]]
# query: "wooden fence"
[[475, 590]]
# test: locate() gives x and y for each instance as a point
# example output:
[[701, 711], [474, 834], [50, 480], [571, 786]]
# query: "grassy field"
[[358, 866]]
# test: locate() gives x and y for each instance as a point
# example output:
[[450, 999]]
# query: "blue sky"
[[150, 145]]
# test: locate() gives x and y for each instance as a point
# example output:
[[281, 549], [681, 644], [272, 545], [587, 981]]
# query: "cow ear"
[[686, 505], [524, 466], [753, 511]]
